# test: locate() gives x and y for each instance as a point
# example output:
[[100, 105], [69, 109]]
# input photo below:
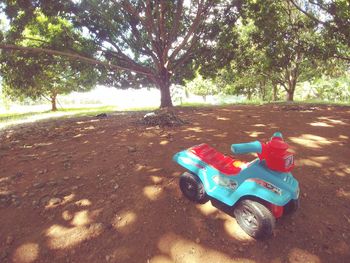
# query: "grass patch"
[[9, 119]]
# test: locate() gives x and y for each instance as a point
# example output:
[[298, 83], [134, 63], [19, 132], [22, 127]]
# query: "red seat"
[[219, 161]]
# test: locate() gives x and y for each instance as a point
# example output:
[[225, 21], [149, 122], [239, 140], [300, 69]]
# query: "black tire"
[[254, 218], [192, 187], [291, 207]]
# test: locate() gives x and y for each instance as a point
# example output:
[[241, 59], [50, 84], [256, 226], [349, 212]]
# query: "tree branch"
[[308, 14], [73, 57], [191, 30]]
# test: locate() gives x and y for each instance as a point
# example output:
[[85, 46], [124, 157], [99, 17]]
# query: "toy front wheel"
[[192, 187], [254, 218]]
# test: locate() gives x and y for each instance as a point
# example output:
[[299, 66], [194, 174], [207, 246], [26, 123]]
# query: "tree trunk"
[[249, 94], [290, 95], [53, 102], [164, 86], [291, 88], [274, 93], [165, 98]]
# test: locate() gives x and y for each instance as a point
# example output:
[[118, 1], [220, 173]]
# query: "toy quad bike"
[[259, 192]]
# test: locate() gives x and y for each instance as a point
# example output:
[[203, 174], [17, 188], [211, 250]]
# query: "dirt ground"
[[106, 189]]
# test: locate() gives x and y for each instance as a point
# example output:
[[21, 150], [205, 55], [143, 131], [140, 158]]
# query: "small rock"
[[38, 185], [66, 178], [4, 254], [54, 201], [52, 183], [304, 194], [198, 240], [75, 188], [116, 186], [9, 240], [108, 258], [67, 215], [17, 175], [113, 196], [77, 177], [131, 149], [16, 203], [102, 115], [241, 249]]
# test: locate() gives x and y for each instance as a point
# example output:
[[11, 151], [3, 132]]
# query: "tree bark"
[[290, 95], [165, 97], [275, 93], [53, 102], [164, 87], [249, 94]]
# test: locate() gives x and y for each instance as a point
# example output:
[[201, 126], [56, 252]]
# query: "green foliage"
[[41, 75], [202, 87]]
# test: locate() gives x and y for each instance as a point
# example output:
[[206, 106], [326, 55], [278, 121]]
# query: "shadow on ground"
[[106, 190]]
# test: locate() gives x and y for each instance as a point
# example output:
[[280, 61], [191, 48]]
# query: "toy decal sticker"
[[225, 182], [267, 185], [288, 161]]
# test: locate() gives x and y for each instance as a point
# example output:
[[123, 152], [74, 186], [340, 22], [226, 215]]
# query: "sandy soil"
[[106, 190]]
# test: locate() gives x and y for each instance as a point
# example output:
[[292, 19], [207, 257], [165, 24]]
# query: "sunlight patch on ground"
[[156, 179], [81, 218], [66, 199], [333, 121], [124, 222], [235, 231], [315, 161], [26, 253], [221, 135], [207, 208], [254, 134], [311, 141], [182, 250], [222, 119], [83, 202], [60, 237], [342, 170], [342, 193], [297, 255], [152, 192], [194, 129], [165, 142], [320, 124]]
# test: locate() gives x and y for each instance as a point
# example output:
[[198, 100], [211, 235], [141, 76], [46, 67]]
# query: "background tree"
[[25, 75], [202, 87], [155, 41], [333, 18]]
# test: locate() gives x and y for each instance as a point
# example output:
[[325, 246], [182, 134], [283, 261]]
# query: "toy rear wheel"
[[254, 218], [192, 187], [291, 207]]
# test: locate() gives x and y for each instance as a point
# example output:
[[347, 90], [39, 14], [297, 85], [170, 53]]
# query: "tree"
[[152, 41], [333, 17], [289, 39], [202, 87], [25, 75]]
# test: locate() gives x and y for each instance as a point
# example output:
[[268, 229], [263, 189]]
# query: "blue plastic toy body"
[[267, 178]]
